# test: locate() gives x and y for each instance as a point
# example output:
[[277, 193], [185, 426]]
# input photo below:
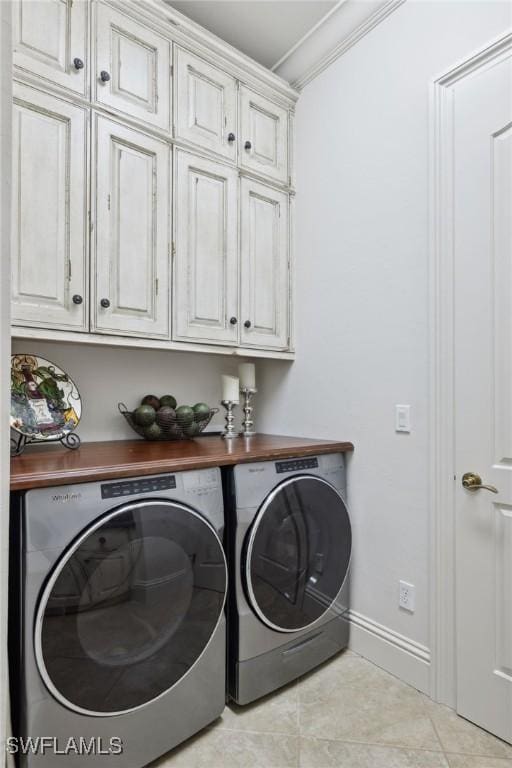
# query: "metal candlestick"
[[229, 431], [248, 422]]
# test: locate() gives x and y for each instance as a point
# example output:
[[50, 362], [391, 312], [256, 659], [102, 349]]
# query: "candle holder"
[[248, 422], [229, 431]]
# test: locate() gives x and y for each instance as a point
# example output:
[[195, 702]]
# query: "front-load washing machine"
[[117, 637], [289, 544]]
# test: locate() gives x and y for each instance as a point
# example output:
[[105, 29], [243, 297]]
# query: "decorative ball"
[[201, 410], [151, 400], [192, 430], [144, 415], [169, 400], [165, 416], [185, 415], [153, 432]]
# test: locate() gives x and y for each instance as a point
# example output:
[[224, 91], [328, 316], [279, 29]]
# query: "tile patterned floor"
[[346, 714]]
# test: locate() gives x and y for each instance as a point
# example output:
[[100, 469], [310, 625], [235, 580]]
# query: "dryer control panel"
[[254, 481], [295, 465], [141, 485]]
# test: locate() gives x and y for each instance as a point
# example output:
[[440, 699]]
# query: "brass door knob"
[[473, 482]]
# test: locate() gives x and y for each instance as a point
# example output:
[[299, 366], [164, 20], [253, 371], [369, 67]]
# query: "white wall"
[[5, 233], [107, 375], [362, 286]]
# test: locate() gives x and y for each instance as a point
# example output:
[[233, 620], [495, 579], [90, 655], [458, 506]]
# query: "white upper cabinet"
[[206, 259], [205, 105], [264, 266], [263, 136], [50, 41], [132, 68], [112, 238], [49, 256], [131, 235]]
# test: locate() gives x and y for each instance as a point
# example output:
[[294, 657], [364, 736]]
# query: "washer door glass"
[[130, 607], [298, 553]]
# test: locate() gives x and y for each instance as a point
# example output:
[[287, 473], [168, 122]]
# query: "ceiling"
[[263, 29]]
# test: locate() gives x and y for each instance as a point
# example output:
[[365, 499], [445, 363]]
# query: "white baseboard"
[[399, 655]]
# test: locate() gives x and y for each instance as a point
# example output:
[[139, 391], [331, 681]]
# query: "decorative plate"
[[45, 403]]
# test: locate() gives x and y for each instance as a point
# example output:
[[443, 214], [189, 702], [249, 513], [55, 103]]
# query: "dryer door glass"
[[298, 553], [130, 607]]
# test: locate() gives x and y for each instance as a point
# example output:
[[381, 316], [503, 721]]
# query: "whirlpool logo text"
[[62, 498]]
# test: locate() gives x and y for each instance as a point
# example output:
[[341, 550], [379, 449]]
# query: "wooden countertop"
[[54, 465]]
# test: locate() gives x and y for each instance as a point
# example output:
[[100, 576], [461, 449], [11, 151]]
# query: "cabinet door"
[[50, 41], [206, 260], [264, 266], [131, 243], [132, 68], [263, 136], [205, 105], [49, 260]]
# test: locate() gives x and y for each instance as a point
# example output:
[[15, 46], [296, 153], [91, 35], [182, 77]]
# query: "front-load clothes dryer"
[[289, 545], [118, 639]]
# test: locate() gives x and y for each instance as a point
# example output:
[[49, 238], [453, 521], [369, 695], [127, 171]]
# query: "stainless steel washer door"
[[130, 607], [298, 553]]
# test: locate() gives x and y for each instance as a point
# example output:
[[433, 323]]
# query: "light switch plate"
[[402, 418]]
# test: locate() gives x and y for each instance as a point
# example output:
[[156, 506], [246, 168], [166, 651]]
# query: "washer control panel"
[[141, 485], [295, 465]]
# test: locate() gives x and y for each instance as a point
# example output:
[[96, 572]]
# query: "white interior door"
[[205, 105], [132, 68], [50, 41], [206, 261], [482, 233], [49, 256], [264, 266], [131, 237]]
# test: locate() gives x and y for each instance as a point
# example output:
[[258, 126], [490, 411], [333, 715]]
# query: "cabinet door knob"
[[233, 321], [104, 76], [77, 299], [248, 145], [105, 303], [247, 323], [231, 136], [78, 63]]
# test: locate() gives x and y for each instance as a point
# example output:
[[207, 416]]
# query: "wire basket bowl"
[[175, 429]]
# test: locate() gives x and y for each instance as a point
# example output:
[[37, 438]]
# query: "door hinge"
[[289, 181], [171, 69], [69, 270], [173, 250], [173, 131], [108, 202], [156, 286]]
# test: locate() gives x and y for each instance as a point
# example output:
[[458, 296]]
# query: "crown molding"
[[347, 23], [306, 37]]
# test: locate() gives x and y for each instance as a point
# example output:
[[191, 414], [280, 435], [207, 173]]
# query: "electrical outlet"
[[407, 596]]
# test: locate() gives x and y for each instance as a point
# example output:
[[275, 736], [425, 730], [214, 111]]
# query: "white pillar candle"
[[231, 388], [247, 373]]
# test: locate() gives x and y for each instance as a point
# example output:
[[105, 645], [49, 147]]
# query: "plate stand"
[[19, 442]]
